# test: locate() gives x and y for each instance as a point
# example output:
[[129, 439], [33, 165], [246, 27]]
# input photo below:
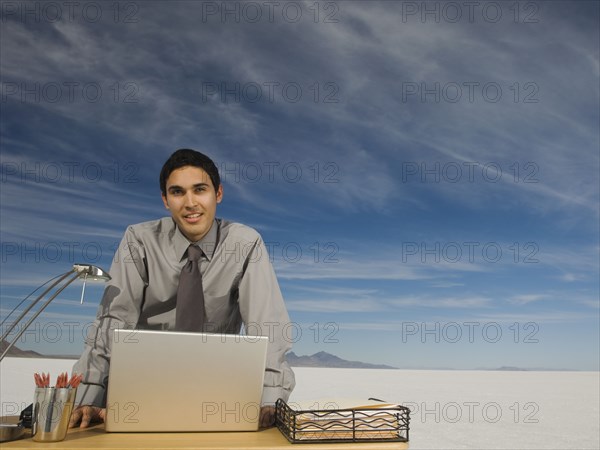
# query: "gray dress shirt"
[[240, 287]]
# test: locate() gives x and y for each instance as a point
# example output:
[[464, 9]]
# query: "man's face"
[[192, 200]]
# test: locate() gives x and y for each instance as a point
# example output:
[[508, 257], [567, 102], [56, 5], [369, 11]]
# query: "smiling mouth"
[[192, 218]]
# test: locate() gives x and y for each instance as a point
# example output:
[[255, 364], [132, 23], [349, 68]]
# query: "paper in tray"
[[367, 422]]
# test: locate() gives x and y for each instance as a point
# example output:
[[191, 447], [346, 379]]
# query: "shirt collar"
[[207, 244]]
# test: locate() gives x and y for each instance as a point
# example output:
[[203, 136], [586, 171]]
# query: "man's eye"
[[176, 192]]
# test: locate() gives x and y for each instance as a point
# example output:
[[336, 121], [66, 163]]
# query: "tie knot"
[[194, 253]]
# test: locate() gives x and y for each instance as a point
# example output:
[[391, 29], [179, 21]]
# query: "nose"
[[190, 200]]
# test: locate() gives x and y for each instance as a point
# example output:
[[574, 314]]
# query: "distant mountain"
[[17, 352], [324, 359]]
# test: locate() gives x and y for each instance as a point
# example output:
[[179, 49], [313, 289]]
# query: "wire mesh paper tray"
[[389, 423]]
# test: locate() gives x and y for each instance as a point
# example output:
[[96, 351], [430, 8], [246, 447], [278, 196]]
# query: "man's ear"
[[164, 199], [220, 193]]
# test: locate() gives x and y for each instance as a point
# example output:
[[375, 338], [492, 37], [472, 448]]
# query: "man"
[[237, 281]]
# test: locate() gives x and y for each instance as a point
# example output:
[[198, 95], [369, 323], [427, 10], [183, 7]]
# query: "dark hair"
[[187, 157]]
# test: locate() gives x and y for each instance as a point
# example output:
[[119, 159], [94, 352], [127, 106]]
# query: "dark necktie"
[[189, 312]]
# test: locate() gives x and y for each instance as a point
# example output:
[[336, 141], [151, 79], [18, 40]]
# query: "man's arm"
[[263, 312], [120, 308]]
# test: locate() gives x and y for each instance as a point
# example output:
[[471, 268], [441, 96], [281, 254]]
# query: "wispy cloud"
[[328, 305], [473, 321], [443, 302], [361, 302], [524, 299]]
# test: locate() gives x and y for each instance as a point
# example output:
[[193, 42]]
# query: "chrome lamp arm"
[[85, 271]]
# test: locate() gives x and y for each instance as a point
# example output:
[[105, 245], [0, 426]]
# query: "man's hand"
[[267, 416], [86, 414]]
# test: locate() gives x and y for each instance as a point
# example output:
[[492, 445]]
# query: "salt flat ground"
[[450, 409], [475, 409]]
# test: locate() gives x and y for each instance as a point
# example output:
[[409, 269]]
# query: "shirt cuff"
[[272, 393], [90, 394]]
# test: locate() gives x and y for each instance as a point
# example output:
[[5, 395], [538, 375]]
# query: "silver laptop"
[[178, 381]]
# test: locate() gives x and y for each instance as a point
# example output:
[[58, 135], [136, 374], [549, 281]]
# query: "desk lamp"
[[85, 271]]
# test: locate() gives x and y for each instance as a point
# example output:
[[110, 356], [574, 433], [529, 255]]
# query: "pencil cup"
[[51, 413]]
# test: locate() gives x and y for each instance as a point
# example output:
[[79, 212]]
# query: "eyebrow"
[[175, 186]]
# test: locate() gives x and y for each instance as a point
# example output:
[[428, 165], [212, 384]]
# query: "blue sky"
[[425, 174]]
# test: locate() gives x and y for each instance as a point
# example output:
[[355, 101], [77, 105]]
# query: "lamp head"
[[90, 272]]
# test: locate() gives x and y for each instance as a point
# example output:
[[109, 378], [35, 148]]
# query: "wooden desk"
[[95, 437]]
